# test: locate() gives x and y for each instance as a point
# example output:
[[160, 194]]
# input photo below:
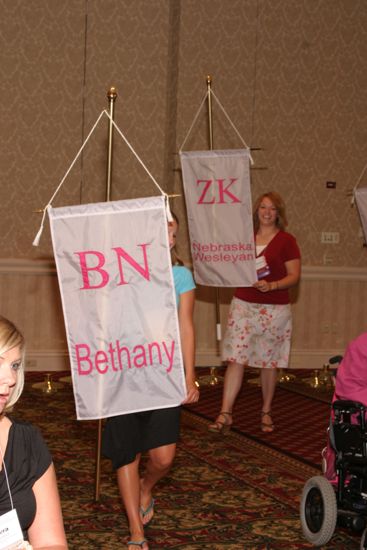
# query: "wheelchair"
[[342, 500]]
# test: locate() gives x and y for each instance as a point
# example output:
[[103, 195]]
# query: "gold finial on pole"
[[111, 96], [112, 93]]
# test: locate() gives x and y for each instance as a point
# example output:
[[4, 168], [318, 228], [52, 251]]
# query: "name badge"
[[11, 535], [262, 268]]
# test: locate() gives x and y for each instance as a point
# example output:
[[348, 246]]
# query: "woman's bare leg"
[[158, 465], [233, 379], [268, 379], [129, 485]]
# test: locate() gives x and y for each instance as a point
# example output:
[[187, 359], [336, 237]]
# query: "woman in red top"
[[259, 323]]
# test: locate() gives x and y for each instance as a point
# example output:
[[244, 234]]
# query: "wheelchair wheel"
[[318, 511], [363, 545]]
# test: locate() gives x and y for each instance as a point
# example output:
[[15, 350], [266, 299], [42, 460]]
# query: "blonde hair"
[[175, 258], [278, 202], [11, 337]]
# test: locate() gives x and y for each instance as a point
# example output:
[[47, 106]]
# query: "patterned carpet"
[[231, 493], [300, 414]]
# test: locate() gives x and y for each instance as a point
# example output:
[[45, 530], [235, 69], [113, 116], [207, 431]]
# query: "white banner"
[[361, 200], [219, 209], [115, 276]]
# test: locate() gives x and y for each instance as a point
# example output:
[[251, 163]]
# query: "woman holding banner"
[[126, 437], [259, 323], [29, 501]]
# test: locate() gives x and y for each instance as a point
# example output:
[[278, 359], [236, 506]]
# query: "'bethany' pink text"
[[118, 357]]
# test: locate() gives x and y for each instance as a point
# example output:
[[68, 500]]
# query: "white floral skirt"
[[258, 335]]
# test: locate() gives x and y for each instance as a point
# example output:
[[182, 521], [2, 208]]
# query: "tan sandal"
[[220, 427], [267, 427]]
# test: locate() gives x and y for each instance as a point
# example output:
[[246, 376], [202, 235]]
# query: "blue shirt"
[[183, 280]]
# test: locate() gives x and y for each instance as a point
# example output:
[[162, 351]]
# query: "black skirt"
[[127, 435]]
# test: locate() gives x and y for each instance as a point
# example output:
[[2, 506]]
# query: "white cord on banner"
[[169, 215], [136, 155], [193, 122], [168, 210], [356, 185], [231, 123], [225, 114], [38, 236]]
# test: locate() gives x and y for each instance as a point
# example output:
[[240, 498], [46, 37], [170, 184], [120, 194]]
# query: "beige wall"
[[290, 74]]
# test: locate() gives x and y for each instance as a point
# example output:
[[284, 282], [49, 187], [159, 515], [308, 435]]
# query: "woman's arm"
[[187, 332], [47, 530], [293, 268]]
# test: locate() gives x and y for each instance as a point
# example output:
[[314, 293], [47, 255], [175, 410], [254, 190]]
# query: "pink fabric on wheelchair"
[[351, 379], [351, 384]]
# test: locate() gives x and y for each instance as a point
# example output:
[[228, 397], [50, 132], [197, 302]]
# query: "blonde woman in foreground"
[[27, 474]]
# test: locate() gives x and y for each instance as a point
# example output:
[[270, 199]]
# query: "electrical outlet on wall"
[[327, 259], [330, 237]]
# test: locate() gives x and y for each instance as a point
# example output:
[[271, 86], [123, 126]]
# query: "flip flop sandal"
[[137, 543], [147, 511]]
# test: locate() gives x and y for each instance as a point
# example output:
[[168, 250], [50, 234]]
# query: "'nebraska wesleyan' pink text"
[[220, 252]]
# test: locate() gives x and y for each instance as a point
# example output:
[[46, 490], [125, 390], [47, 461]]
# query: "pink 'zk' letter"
[[224, 191], [205, 190]]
